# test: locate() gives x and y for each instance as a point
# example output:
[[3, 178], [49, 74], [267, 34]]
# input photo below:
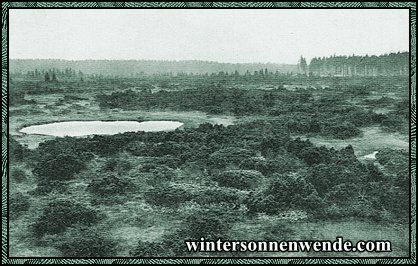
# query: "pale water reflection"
[[84, 128]]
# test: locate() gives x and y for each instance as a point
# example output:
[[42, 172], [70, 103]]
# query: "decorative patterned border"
[[4, 61]]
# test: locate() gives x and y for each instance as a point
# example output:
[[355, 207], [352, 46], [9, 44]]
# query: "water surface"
[[84, 128]]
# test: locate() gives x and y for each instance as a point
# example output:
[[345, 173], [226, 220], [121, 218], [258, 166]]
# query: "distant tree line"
[[126, 68], [393, 64], [51, 75]]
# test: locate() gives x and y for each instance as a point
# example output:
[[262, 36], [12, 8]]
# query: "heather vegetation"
[[287, 158]]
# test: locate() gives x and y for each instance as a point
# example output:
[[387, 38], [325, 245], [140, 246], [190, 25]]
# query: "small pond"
[[84, 128]]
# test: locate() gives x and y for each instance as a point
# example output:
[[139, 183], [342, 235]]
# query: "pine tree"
[[54, 77], [303, 66]]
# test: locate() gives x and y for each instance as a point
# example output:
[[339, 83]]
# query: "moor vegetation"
[[238, 169], [144, 193]]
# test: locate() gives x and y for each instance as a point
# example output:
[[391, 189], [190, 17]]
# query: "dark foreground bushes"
[[209, 225], [59, 168], [61, 214], [150, 249], [172, 195], [240, 179], [84, 241], [19, 203], [110, 189]]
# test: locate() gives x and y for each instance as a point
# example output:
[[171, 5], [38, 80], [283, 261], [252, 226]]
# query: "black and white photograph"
[[208, 133]]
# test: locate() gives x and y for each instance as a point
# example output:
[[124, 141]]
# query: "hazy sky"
[[224, 35]]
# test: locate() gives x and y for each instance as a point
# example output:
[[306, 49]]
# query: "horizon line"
[[161, 60], [203, 60]]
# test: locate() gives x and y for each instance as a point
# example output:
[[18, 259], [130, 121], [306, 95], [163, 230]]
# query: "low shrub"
[[61, 214]]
